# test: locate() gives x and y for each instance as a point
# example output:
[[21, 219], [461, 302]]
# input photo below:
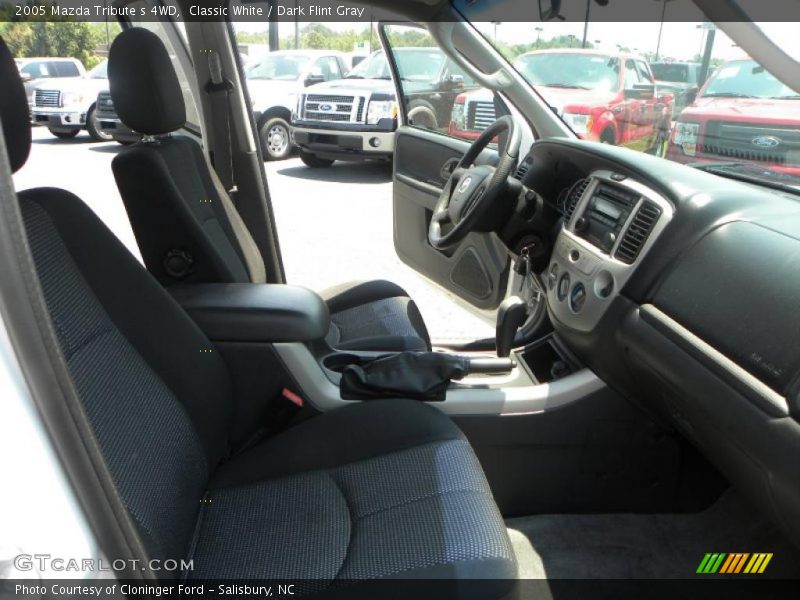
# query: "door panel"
[[477, 269]]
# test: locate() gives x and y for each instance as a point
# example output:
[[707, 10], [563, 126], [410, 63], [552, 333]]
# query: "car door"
[[477, 269], [630, 118], [651, 108]]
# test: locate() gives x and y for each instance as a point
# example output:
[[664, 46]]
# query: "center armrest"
[[251, 312]]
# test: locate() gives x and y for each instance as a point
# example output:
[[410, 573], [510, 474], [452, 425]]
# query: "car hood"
[[558, 98], [738, 109], [72, 84], [353, 86]]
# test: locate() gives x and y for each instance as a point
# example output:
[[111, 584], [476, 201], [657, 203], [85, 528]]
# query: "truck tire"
[[314, 161], [93, 127], [276, 143], [64, 133]]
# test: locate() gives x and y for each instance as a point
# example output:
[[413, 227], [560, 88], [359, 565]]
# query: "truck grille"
[[49, 98], [737, 141], [480, 115], [330, 108], [105, 106]]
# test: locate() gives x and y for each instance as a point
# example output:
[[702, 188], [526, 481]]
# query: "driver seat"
[[186, 225]]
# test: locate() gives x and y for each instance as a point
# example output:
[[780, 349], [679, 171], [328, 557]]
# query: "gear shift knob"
[[510, 317]]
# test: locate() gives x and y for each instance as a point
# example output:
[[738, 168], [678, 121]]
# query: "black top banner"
[[366, 11]]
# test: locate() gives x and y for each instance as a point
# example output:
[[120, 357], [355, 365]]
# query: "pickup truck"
[[34, 69], [67, 105], [742, 114], [274, 81], [355, 118], [610, 98]]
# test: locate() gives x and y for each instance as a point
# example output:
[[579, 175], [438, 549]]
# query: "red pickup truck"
[[611, 98], [742, 114]]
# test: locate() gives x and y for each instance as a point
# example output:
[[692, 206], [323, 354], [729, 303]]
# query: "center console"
[[611, 223]]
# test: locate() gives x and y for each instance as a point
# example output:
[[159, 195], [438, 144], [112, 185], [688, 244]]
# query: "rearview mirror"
[[26, 77], [550, 10], [455, 82]]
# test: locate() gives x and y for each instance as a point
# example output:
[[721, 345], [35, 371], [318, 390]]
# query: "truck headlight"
[[580, 124], [381, 109], [686, 136], [70, 98]]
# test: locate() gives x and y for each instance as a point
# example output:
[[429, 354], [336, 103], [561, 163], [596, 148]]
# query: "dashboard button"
[[563, 287], [574, 255], [577, 297]]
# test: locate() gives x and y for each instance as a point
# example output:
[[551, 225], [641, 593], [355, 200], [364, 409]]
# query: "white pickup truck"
[[66, 105]]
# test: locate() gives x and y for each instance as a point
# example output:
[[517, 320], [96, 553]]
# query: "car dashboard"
[[680, 289]]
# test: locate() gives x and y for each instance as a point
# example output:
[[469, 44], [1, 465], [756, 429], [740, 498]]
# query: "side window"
[[66, 69], [631, 75], [36, 69], [436, 93], [333, 67], [644, 72]]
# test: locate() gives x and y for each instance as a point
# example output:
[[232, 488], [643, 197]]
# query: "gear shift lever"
[[510, 316]]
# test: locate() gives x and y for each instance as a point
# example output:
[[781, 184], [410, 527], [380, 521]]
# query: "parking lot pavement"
[[334, 224]]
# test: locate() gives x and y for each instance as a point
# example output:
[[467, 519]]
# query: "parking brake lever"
[[510, 317]]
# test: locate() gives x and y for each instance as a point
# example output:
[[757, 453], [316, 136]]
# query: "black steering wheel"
[[472, 189]]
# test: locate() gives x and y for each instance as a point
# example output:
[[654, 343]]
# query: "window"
[[278, 67], [36, 69], [66, 69], [328, 66], [437, 93], [632, 75]]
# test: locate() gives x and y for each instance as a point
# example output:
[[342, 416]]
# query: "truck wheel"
[[275, 141], [93, 127], [64, 133], [315, 161]]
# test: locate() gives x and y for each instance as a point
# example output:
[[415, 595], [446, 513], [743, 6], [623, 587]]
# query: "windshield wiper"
[[732, 170], [354, 77], [790, 97], [727, 95]]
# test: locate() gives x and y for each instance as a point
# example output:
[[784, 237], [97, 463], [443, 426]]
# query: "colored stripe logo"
[[734, 563]]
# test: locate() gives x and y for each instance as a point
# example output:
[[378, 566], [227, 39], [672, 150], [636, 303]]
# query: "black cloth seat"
[[387, 489], [187, 227]]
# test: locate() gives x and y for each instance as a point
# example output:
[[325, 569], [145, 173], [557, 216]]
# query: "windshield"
[[567, 70], [278, 67], [99, 72], [634, 85], [373, 67], [746, 79], [674, 73]]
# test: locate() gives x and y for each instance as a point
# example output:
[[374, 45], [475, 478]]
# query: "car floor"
[[663, 546]]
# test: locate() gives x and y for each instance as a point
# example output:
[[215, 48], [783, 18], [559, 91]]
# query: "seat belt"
[[219, 91]]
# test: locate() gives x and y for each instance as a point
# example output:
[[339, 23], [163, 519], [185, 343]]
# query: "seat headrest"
[[144, 87], [14, 110]]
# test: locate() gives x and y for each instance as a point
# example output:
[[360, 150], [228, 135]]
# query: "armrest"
[[251, 312]]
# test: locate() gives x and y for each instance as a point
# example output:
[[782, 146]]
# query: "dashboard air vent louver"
[[574, 197], [635, 237], [523, 169]]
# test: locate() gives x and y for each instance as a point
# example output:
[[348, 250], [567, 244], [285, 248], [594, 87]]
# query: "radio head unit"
[[605, 215]]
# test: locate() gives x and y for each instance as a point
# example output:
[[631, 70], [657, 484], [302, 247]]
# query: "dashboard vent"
[[574, 197], [523, 169], [635, 237]]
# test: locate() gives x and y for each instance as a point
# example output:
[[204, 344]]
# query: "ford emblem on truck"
[[766, 141], [325, 107]]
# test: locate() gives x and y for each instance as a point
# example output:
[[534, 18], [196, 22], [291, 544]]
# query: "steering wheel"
[[471, 189]]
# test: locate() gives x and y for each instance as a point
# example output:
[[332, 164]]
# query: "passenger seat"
[[385, 489], [186, 225]]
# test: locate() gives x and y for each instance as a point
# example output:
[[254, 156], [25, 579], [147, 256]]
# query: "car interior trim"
[[773, 402]]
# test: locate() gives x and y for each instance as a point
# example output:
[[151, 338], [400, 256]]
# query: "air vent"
[[635, 237], [574, 197], [523, 169]]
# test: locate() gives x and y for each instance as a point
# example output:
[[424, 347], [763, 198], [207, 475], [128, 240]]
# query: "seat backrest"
[[158, 398], [185, 224]]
